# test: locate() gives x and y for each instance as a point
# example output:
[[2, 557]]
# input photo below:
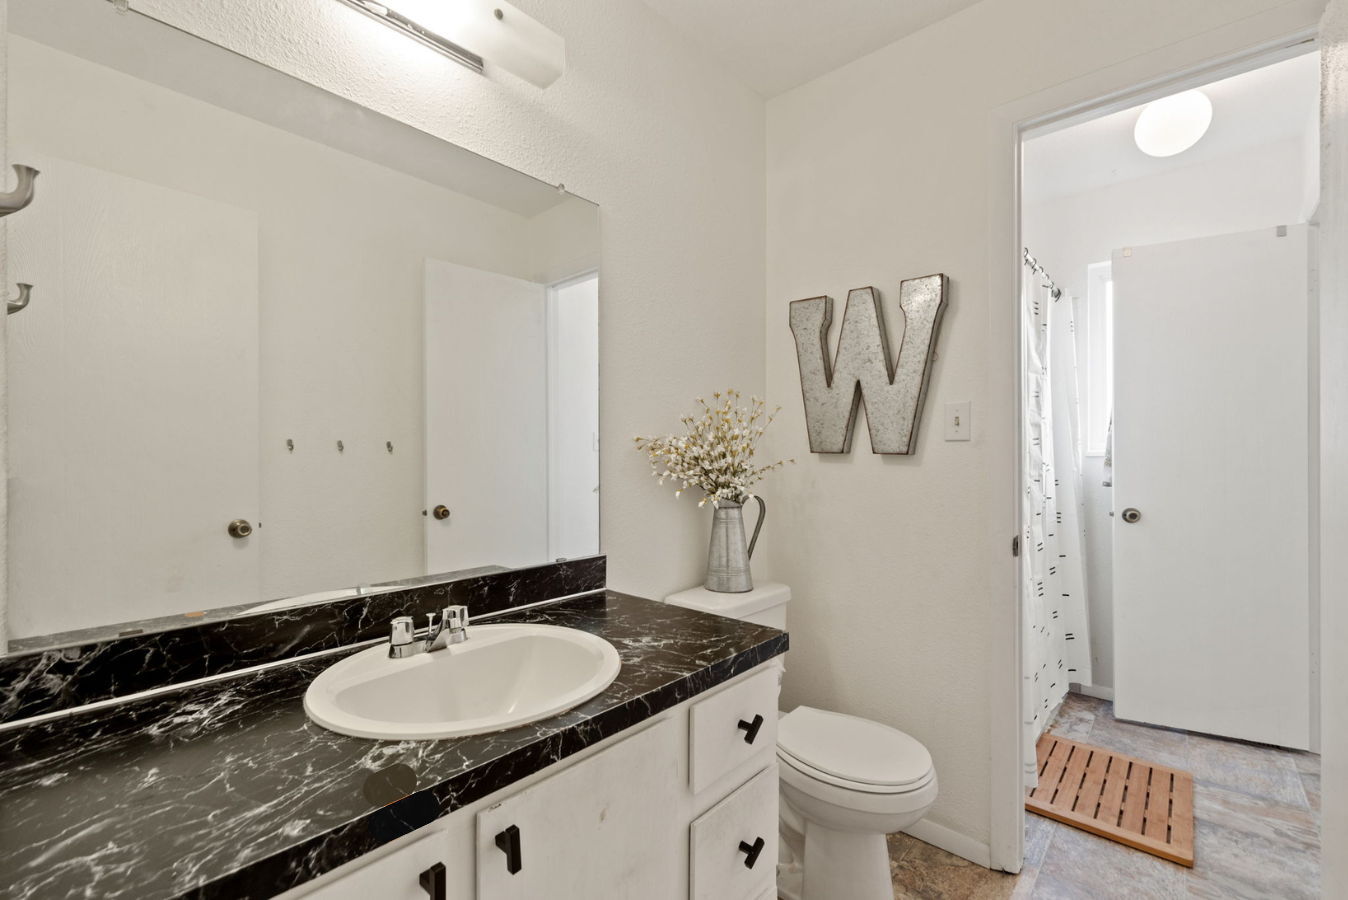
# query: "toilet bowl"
[[845, 782]]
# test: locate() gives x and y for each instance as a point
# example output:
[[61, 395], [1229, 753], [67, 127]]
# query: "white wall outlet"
[[958, 425]]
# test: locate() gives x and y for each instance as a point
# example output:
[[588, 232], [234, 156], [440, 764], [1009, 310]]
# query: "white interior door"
[[1211, 447], [133, 402], [486, 412]]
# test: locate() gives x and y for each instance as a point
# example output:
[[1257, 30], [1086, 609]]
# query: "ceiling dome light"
[[1173, 124]]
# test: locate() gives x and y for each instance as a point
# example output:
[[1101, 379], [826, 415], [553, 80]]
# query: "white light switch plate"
[[958, 425]]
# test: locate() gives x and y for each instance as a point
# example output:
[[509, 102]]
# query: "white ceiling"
[[1275, 103], [775, 45]]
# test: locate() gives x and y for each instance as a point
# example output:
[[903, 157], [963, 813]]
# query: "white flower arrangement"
[[716, 452]]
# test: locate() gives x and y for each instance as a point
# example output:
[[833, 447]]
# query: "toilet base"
[[837, 864]]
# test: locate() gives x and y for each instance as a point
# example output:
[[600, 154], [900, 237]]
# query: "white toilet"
[[846, 782]]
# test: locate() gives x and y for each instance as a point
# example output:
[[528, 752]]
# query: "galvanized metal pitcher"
[[728, 557]]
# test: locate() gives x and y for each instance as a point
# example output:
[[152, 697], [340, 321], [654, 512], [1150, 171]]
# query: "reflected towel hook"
[[21, 196], [18, 303]]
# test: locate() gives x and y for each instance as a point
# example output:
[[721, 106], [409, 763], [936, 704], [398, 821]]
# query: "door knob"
[[1132, 516], [240, 528], [441, 512]]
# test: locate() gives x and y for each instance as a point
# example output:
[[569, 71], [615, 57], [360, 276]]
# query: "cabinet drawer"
[[395, 876], [733, 846], [731, 727]]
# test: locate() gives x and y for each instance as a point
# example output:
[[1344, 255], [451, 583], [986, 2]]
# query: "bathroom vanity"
[[681, 805], [663, 785]]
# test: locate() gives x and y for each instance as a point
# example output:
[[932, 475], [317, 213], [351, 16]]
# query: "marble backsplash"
[[84, 667]]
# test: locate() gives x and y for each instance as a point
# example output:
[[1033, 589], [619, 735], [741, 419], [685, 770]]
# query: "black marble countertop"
[[228, 790]]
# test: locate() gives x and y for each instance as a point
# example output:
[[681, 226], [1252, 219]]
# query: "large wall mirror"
[[258, 307]]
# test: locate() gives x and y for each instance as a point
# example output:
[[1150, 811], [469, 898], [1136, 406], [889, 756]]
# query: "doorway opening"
[[573, 417], [1168, 468]]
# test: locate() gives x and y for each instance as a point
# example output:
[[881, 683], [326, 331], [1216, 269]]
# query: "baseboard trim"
[[952, 841], [1098, 691]]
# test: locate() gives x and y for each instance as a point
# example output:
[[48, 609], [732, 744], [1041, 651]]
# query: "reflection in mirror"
[[279, 346]]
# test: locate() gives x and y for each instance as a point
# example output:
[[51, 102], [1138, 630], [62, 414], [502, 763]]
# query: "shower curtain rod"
[[1039, 270]]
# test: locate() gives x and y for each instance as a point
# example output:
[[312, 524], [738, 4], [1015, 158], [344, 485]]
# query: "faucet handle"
[[400, 631], [455, 618]]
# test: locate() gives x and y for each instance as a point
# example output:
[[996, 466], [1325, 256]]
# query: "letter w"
[[861, 372]]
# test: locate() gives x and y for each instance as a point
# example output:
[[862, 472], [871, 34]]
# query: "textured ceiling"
[[1274, 103], [775, 45]]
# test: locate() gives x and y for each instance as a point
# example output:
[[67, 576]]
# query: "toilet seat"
[[852, 753]]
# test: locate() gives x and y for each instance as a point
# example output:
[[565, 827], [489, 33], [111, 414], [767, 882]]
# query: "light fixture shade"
[[473, 31], [1173, 124]]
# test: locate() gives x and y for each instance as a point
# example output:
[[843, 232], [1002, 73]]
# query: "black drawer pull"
[[751, 728], [509, 843], [751, 852], [433, 881]]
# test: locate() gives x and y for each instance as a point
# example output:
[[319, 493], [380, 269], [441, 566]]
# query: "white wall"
[[884, 170], [1254, 188], [1334, 450], [1258, 187], [642, 123]]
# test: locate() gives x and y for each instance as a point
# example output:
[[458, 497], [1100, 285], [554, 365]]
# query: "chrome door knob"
[[240, 528], [1132, 516]]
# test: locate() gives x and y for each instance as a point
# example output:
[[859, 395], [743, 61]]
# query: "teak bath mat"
[[1118, 797]]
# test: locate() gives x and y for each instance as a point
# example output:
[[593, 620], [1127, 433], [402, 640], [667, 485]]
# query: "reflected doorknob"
[[1132, 516], [240, 528]]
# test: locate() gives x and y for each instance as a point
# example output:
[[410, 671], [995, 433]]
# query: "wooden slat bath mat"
[[1118, 797]]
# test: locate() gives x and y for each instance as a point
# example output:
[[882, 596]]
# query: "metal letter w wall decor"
[[893, 393]]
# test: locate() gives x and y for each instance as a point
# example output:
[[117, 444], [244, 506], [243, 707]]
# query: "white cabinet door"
[[1212, 447], [733, 846], [610, 826], [396, 876]]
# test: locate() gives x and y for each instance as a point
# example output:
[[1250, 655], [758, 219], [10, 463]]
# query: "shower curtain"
[[1055, 647]]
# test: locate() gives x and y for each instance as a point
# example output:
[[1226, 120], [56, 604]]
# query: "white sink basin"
[[500, 677]]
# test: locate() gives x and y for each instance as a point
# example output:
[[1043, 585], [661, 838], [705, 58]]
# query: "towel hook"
[[22, 195], [18, 303]]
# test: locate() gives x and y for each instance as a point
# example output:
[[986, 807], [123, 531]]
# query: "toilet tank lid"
[[735, 606]]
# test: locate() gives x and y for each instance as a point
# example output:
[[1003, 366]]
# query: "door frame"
[[1242, 46], [550, 332]]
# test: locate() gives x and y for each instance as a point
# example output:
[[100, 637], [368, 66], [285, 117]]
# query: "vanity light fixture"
[[472, 32], [1173, 124]]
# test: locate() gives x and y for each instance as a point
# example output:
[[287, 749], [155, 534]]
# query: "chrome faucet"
[[404, 640]]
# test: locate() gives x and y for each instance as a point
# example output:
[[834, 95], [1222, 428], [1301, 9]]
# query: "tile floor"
[[1257, 836]]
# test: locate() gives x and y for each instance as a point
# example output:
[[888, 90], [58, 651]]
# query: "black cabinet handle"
[[751, 728], [433, 881], [509, 843], [751, 852]]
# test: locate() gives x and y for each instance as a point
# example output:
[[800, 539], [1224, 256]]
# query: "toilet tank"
[[764, 605]]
